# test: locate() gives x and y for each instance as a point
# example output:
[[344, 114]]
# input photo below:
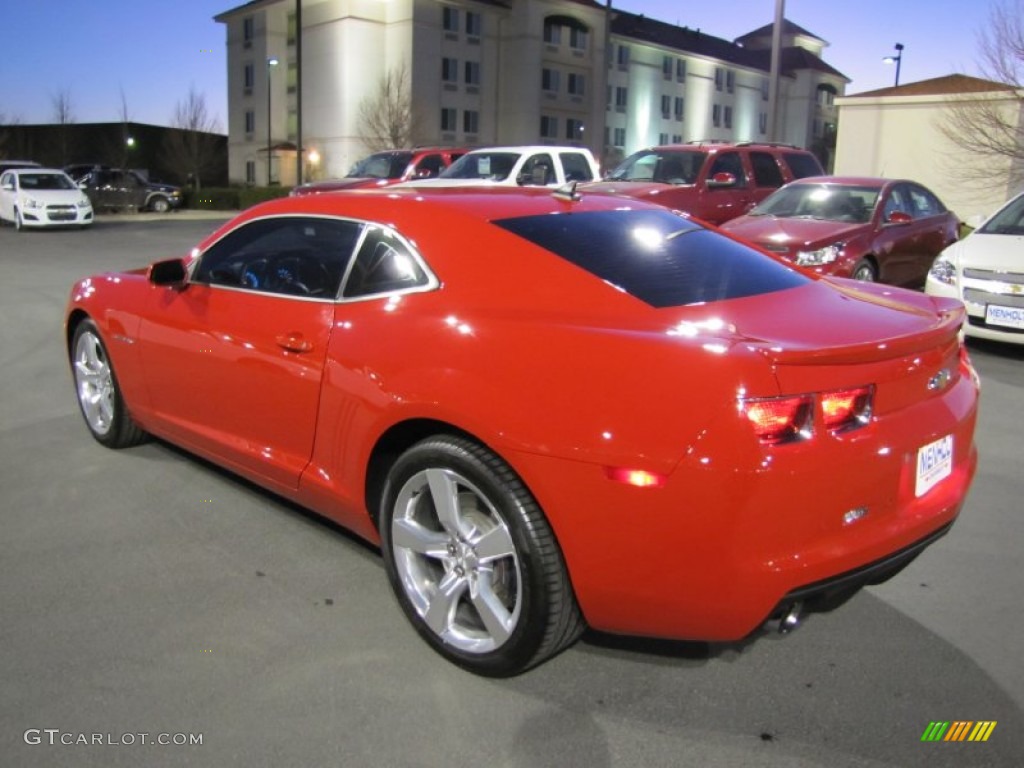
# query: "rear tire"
[[99, 395], [472, 560]]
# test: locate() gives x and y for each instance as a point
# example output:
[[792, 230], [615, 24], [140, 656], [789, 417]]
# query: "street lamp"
[[271, 63], [896, 60]]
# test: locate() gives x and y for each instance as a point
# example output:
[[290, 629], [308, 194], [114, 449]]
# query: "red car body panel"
[[566, 378]]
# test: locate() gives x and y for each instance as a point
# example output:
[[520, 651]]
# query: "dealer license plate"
[[934, 464], [1007, 317]]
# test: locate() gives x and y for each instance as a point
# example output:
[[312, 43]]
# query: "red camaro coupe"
[[550, 412], [889, 230]]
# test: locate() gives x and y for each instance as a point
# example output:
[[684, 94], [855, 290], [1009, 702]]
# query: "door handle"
[[293, 342]]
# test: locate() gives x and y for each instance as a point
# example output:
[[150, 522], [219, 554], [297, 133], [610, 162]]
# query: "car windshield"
[[383, 165], [495, 166], [672, 166], [1009, 221], [46, 181], [658, 257], [828, 202]]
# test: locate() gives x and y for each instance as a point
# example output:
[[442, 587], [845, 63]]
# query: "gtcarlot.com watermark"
[[56, 737]]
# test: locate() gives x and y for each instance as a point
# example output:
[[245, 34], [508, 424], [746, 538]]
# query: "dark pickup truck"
[[114, 188]]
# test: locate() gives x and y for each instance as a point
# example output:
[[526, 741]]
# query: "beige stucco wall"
[[899, 137]]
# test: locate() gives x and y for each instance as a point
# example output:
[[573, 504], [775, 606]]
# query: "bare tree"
[[191, 147], [386, 118], [986, 124], [63, 116]]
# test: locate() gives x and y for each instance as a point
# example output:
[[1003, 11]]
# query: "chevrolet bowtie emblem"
[[939, 380]]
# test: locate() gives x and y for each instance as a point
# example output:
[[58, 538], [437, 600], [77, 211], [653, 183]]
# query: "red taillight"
[[846, 409], [780, 419], [787, 419]]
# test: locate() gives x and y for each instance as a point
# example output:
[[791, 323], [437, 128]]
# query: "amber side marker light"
[[639, 478]]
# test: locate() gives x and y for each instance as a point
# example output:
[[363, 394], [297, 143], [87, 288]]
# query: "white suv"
[[537, 166]]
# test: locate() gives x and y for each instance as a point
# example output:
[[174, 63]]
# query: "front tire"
[[472, 560], [19, 224], [99, 395], [160, 205], [864, 271]]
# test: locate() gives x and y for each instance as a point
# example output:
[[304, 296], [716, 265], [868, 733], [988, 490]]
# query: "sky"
[[154, 51]]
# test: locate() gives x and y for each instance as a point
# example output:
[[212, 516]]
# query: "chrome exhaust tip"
[[791, 618]]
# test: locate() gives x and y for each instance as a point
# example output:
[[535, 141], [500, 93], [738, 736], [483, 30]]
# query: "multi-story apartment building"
[[505, 72]]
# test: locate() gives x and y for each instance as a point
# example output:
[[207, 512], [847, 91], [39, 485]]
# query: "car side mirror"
[[722, 179], [898, 218], [171, 273]]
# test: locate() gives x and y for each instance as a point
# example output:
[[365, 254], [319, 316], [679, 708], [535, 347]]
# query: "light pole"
[[271, 63], [896, 60]]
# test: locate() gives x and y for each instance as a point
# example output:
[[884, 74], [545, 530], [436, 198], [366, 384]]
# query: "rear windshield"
[[656, 256]]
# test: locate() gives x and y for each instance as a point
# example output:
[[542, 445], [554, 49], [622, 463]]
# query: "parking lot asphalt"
[[146, 592]]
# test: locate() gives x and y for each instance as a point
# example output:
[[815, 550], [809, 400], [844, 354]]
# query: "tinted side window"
[[898, 200], [294, 256], [576, 167], [429, 166], [384, 264], [924, 202], [802, 164], [766, 170], [729, 162]]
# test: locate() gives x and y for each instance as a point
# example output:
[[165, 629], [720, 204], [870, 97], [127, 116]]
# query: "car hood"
[[792, 232], [637, 189], [999, 253], [54, 196], [439, 182]]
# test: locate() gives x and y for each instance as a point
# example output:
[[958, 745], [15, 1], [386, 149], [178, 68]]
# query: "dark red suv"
[[389, 167], [712, 181]]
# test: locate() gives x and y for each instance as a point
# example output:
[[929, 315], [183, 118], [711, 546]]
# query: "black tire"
[[159, 204], [97, 390], [865, 271], [494, 550]]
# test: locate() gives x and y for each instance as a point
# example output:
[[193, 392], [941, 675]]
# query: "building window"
[[716, 115], [450, 21], [471, 121], [765, 89], [574, 129], [248, 28], [548, 127], [621, 97], [250, 121], [449, 70], [549, 80], [666, 67], [448, 118], [662, 139], [472, 73], [623, 57], [677, 138], [719, 78], [679, 108], [474, 24], [728, 117], [292, 28], [250, 171], [552, 33], [578, 39], [577, 84], [762, 123], [248, 77], [681, 70], [666, 107], [730, 81], [620, 137]]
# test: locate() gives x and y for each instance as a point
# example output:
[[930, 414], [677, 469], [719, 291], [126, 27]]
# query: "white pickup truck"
[[537, 166]]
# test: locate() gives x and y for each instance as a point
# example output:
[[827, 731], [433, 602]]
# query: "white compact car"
[[42, 197], [537, 166], [985, 271]]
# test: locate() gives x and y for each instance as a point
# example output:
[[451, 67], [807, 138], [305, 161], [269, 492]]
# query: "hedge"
[[230, 198]]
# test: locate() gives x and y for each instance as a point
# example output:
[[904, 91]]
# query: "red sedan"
[[889, 230], [550, 412]]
